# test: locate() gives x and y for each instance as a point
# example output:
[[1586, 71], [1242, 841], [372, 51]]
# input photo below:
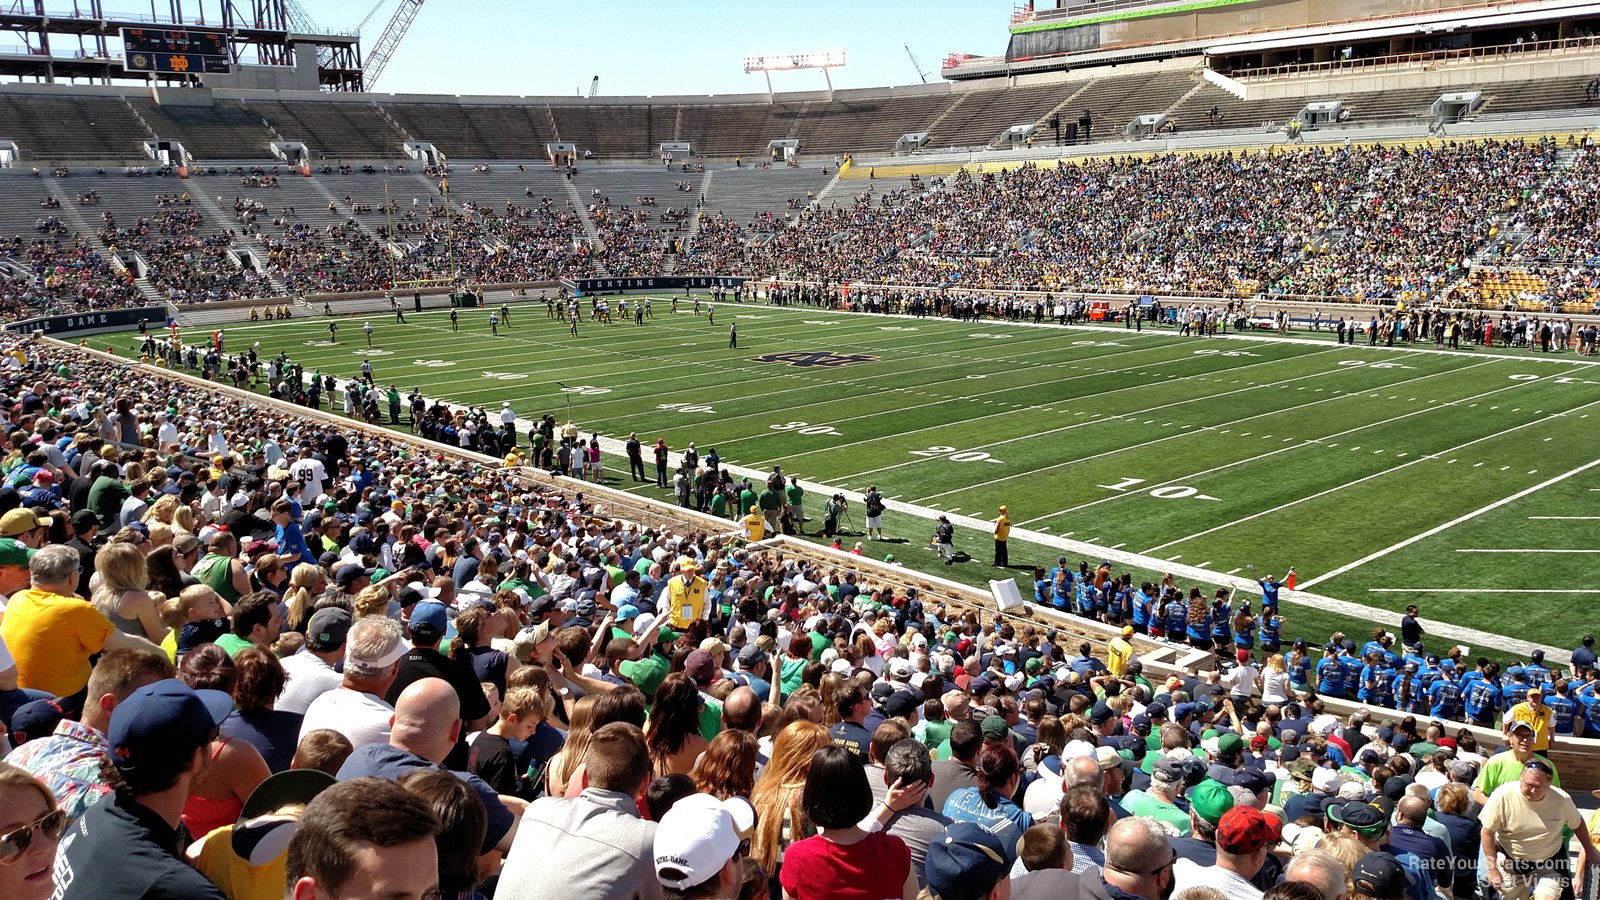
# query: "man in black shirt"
[[1410, 628], [428, 625], [84, 529], [853, 704], [127, 847]]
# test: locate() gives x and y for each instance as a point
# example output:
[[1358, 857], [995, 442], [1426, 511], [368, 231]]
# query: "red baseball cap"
[[1244, 830]]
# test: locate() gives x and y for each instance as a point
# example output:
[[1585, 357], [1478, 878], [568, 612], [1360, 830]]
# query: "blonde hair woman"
[[565, 763], [1275, 681], [121, 594], [165, 507], [183, 520], [780, 820], [305, 583]]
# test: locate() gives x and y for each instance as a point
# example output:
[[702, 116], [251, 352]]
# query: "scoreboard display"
[[175, 51]]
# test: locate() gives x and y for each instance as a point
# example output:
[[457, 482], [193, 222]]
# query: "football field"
[[1467, 482]]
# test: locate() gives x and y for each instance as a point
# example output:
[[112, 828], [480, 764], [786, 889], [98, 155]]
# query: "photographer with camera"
[[833, 512]]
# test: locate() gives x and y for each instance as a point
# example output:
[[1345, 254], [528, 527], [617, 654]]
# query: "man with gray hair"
[[1138, 863], [50, 631], [1320, 869], [356, 708]]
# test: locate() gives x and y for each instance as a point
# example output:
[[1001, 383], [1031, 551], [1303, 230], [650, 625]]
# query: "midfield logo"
[[816, 358]]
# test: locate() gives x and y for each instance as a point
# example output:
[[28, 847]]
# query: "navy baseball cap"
[[429, 617], [36, 719], [1381, 876], [163, 719], [966, 862]]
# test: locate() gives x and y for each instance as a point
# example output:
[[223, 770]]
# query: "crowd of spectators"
[[249, 654], [1396, 224]]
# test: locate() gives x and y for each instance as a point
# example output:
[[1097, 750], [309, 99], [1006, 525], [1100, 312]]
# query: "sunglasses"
[[15, 843]]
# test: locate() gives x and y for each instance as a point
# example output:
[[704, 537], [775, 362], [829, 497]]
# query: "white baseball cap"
[[698, 836]]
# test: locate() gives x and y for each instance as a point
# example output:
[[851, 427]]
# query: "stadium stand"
[[226, 130], [100, 128], [333, 130]]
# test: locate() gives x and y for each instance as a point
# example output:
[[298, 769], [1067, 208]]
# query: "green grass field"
[[1455, 480]]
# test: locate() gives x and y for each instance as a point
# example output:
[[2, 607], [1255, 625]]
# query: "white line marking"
[[1520, 550], [1563, 518], [1481, 591], [1113, 546], [1233, 571], [1175, 558], [1450, 524]]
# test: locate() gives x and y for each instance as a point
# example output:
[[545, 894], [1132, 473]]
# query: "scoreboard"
[[175, 51]]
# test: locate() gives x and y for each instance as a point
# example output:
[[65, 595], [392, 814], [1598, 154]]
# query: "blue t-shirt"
[[1269, 593], [1330, 677]]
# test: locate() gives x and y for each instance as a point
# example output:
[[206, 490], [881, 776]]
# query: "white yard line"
[[1379, 474], [1452, 523], [1095, 421], [1221, 429], [1184, 479], [1482, 591], [1563, 518], [1519, 550]]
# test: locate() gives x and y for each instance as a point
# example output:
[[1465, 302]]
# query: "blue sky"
[[534, 47]]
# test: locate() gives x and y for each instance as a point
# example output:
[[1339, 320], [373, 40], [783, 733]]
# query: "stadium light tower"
[[791, 62]]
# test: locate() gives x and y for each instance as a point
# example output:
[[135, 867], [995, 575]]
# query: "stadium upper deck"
[[58, 124]]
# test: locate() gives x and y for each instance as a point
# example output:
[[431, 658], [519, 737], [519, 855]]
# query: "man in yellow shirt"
[[1121, 650], [755, 527], [1002, 531], [51, 632], [686, 594], [1534, 711]]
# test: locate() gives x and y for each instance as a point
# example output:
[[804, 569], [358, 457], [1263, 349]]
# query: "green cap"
[[666, 635], [1033, 664], [14, 553], [1229, 743], [888, 557], [380, 573], [995, 728], [1210, 800]]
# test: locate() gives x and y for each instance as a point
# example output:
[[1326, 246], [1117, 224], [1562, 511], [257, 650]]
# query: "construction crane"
[[594, 87], [389, 40], [382, 50], [921, 73]]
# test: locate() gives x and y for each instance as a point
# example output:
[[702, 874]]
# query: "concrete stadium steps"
[[475, 131], [1409, 105], [624, 185], [742, 193], [867, 125], [615, 132], [1540, 94], [333, 130], [1113, 102], [228, 130], [310, 196], [493, 188], [1233, 113], [66, 127], [984, 114], [723, 132]]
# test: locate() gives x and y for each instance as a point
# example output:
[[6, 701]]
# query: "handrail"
[[1097, 8], [1468, 54]]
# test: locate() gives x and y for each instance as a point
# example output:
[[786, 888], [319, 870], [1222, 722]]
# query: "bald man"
[[1138, 863], [741, 711], [1407, 836], [427, 722]]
